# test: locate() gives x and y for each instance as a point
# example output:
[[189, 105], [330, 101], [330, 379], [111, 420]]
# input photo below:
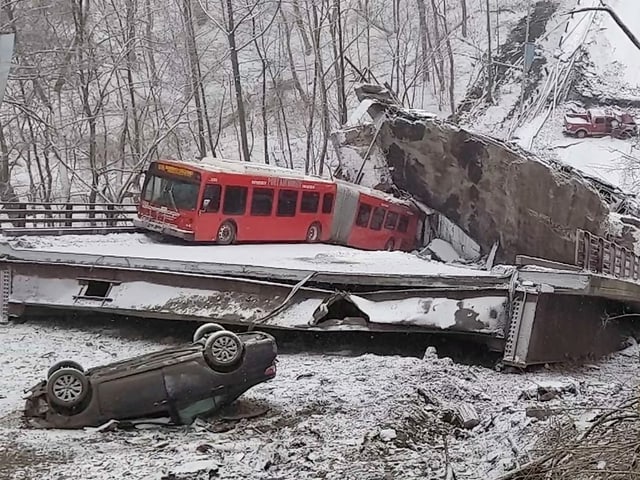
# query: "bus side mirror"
[[205, 204]]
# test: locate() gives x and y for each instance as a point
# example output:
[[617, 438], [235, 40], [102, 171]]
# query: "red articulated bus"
[[229, 202]]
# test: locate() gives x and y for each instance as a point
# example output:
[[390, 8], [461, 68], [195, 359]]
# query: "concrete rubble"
[[493, 191]]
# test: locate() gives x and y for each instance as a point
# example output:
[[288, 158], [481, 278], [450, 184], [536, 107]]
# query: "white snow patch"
[[316, 257], [437, 312]]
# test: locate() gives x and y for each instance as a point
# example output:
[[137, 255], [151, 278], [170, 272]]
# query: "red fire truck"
[[229, 202]]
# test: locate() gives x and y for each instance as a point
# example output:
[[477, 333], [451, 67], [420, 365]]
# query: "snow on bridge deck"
[[306, 257]]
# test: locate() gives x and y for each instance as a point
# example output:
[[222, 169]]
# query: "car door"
[[141, 394]]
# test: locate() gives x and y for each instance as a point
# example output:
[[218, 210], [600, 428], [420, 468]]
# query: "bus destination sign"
[[182, 172], [284, 182]]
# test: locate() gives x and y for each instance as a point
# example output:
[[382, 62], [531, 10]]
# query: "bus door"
[[207, 225]]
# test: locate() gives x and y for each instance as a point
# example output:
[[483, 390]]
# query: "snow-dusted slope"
[[591, 62]]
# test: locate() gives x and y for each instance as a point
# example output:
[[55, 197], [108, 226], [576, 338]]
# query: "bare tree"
[[489, 66], [465, 17]]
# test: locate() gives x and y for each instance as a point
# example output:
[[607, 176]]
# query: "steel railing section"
[[599, 255], [34, 218]]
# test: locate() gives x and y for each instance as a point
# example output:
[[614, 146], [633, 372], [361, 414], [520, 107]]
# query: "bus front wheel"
[[313, 233], [226, 233]]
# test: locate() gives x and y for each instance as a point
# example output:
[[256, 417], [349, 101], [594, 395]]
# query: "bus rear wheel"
[[313, 233], [226, 233]]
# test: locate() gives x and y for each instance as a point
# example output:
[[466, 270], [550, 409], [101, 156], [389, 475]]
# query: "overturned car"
[[179, 383]]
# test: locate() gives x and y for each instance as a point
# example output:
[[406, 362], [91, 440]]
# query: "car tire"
[[204, 331], [67, 388], [226, 233], [64, 364], [581, 134], [223, 350]]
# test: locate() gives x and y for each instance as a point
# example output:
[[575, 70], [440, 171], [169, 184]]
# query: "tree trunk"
[[195, 80], [445, 27], [489, 67], [292, 66], [463, 6], [300, 25], [326, 127], [338, 49], [129, 40], [235, 66], [438, 50], [263, 62], [422, 18]]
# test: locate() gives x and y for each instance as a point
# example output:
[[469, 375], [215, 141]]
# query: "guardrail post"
[[5, 293], [110, 215], [68, 214]]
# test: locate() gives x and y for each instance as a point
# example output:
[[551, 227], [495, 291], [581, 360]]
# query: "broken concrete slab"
[[494, 193], [492, 190]]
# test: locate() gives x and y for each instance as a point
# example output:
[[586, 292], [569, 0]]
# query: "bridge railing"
[[599, 255], [33, 218]]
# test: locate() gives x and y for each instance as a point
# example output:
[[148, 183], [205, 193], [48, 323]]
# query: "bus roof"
[[235, 166], [217, 165]]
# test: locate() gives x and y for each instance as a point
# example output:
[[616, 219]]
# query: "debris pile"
[[494, 191], [608, 448]]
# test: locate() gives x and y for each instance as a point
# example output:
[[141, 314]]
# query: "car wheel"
[[314, 232], [223, 350], [226, 233], [67, 387], [581, 134], [204, 331], [64, 364]]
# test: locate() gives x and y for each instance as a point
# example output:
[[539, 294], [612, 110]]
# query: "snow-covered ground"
[[327, 414], [613, 74], [612, 160], [316, 257]]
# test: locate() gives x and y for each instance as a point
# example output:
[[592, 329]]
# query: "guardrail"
[[33, 218], [599, 255]]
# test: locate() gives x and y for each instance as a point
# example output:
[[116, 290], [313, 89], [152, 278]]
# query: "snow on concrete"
[[325, 419], [443, 250], [316, 257], [437, 312]]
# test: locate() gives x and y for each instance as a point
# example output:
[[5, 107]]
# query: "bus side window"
[[391, 221], [211, 193], [287, 203], [262, 202], [310, 202], [377, 218], [403, 225], [327, 203], [364, 212], [235, 200]]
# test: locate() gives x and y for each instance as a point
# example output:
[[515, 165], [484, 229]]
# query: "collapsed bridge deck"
[[529, 313]]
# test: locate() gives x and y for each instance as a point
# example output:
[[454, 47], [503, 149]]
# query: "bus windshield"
[[171, 193]]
